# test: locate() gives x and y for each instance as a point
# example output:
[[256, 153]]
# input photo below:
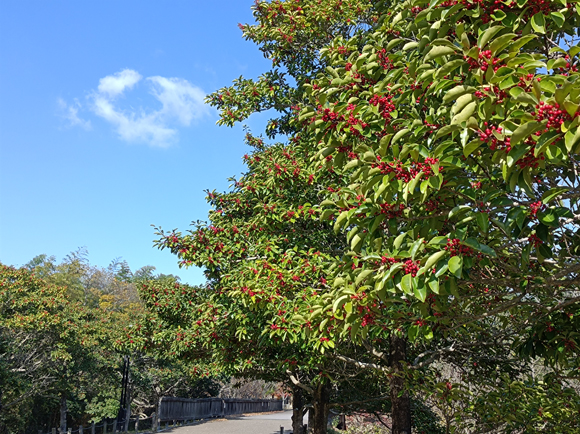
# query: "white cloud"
[[71, 113], [113, 85], [180, 99], [181, 104]]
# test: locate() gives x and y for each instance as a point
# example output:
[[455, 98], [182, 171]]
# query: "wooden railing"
[[178, 409]]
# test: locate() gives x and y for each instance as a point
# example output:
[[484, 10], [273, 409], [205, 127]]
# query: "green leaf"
[[356, 243], [539, 23], [501, 42], [548, 218], [486, 36], [456, 92], [420, 292], [483, 221], [465, 113], [446, 130], [438, 51], [434, 258], [570, 139], [413, 332], [434, 285], [363, 275], [340, 221], [407, 283], [455, 265], [487, 250], [558, 18], [400, 134], [339, 302], [448, 67], [399, 240], [553, 193], [348, 307], [524, 131], [471, 147]]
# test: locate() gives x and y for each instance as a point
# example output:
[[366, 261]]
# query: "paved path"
[[252, 424]]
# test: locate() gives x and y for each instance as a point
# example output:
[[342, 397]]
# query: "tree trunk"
[[321, 408], [297, 410], [400, 400], [63, 411]]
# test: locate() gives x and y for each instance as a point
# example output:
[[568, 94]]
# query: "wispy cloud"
[[114, 85], [70, 112], [181, 104]]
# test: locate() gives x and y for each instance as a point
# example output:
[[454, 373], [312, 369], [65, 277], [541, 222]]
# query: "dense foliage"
[[426, 200]]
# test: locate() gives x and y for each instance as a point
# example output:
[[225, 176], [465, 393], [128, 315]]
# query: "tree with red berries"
[[457, 125], [432, 168]]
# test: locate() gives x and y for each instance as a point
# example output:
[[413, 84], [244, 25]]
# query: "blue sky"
[[102, 129]]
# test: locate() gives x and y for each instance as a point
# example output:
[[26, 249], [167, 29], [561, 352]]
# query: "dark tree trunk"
[[400, 400], [321, 408], [63, 411], [297, 410]]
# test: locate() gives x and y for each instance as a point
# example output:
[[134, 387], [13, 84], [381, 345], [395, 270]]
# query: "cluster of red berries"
[[455, 248], [500, 94], [535, 240], [248, 291], [420, 322], [342, 50], [555, 116], [384, 60], [385, 104], [411, 267], [483, 61], [403, 173], [368, 319], [391, 211], [567, 69], [352, 122], [432, 205], [529, 160], [432, 127], [330, 116], [346, 150], [494, 143], [388, 260], [526, 82], [535, 207]]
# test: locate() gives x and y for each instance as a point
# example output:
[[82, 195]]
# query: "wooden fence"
[[178, 409]]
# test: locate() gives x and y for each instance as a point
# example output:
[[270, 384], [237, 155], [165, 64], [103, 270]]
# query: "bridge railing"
[[178, 409]]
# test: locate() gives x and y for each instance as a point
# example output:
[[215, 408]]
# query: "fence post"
[[54, 431], [81, 429], [69, 431], [93, 428], [105, 426], [154, 422], [115, 422], [137, 425]]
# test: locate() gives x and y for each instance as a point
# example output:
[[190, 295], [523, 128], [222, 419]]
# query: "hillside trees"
[[64, 330]]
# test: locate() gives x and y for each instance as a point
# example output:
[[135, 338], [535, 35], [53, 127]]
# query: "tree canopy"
[[426, 195]]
